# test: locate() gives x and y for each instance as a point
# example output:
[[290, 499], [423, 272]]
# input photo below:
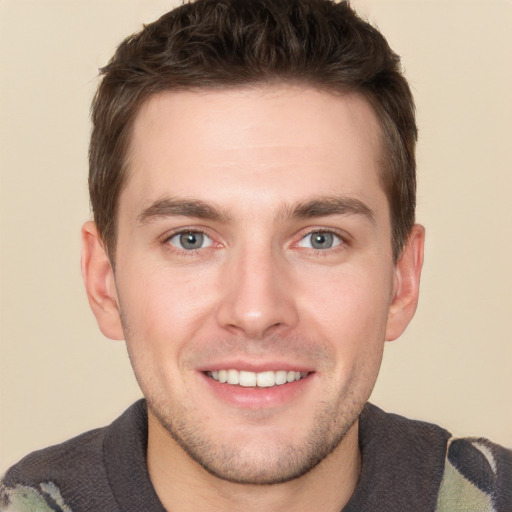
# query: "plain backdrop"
[[59, 376]]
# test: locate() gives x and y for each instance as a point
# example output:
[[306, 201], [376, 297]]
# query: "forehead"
[[261, 143]]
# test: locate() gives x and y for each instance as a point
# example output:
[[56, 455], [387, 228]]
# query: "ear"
[[99, 282], [406, 286]]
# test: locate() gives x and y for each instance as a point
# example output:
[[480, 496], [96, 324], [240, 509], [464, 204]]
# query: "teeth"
[[247, 379], [233, 377], [266, 379], [281, 377], [252, 379]]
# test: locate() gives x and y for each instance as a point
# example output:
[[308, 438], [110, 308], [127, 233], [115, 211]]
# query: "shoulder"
[[81, 473], [35, 483], [414, 465], [477, 476]]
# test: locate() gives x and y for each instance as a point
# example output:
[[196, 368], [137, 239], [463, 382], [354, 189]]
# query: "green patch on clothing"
[[22, 498]]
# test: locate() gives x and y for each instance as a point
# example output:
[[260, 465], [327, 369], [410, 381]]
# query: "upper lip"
[[255, 367]]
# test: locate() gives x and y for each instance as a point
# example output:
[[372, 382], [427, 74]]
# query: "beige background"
[[59, 376]]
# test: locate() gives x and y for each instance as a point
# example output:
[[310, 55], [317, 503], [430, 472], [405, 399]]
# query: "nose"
[[257, 297]]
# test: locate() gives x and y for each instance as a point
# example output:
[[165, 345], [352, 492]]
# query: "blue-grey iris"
[[322, 240], [191, 241]]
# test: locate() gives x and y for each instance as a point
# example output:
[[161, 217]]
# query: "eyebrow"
[[170, 207], [330, 205], [317, 207]]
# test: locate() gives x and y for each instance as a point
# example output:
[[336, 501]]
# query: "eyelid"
[[337, 239], [206, 238], [342, 235], [169, 235], [181, 230]]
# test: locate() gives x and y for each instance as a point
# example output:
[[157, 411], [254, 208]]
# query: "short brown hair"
[[231, 43]]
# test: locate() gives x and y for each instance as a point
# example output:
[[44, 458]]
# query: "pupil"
[[322, 240], [191, 240]]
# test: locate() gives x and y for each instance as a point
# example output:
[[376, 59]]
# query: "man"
[[252, 177]]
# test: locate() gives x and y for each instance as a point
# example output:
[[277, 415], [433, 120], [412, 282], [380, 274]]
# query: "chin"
[[265, 459]]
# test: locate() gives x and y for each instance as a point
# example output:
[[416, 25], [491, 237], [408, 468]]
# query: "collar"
[[402, 462]]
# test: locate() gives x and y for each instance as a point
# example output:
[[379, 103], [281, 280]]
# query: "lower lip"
[[255, 397]]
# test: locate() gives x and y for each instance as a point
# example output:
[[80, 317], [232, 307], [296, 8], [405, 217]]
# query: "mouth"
[[246, 379]]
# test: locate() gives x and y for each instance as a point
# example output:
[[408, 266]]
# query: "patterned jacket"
[[407, 466]]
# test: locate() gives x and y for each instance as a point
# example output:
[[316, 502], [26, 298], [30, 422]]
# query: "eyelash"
[[338, 239], [343, 240], [166, 241]]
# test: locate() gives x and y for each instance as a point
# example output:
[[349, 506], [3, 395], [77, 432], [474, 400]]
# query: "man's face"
[[254, 245]]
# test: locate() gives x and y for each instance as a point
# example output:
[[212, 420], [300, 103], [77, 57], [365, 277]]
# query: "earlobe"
[[99, 282], [407, 275]]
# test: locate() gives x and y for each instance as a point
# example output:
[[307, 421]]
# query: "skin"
[[261, 172]]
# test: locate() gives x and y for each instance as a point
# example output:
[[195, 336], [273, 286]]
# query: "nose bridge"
[[256, 296]]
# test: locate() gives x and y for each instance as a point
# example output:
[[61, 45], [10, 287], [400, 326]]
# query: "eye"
[[190, 240], [320, 240]]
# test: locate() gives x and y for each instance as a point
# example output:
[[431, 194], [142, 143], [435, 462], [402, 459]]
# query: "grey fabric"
[[403, 463], [102, 470]]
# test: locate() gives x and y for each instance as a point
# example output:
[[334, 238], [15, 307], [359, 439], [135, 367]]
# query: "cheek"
[[351, 291], [162, 308], [350, 309]]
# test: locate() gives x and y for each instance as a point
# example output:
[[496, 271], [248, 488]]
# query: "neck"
[[184, 486]]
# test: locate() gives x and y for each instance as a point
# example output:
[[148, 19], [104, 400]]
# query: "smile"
[[252, 379]]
